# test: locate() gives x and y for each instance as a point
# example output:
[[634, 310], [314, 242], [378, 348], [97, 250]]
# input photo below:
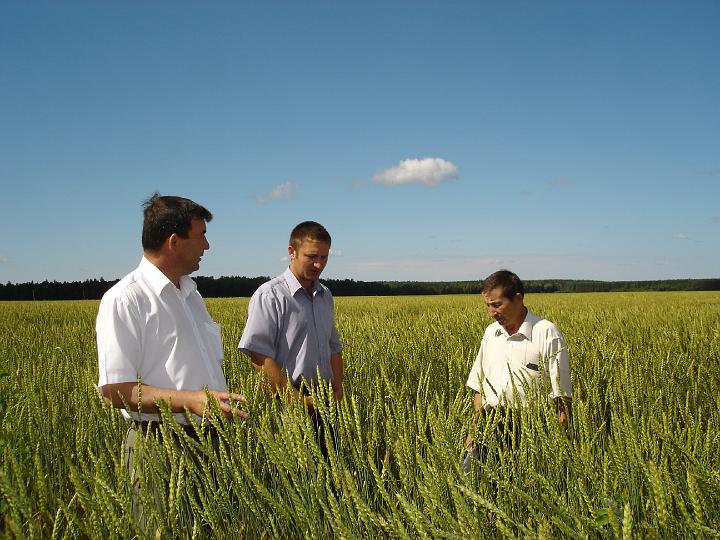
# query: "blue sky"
[[435, 140]]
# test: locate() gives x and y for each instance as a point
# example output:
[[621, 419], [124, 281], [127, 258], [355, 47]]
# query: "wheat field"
[[640, 460]]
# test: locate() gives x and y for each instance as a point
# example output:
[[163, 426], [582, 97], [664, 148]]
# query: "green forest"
[[234, 286]]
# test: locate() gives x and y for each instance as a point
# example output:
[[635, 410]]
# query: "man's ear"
[[172, 241], [291, 252]]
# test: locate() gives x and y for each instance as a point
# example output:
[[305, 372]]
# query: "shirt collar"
[[527, 325], [294, 285], [158, 281], [187, 286]]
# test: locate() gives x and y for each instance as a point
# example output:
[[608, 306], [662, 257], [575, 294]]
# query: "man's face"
[[506, 311], [308, 261], [191, 249]]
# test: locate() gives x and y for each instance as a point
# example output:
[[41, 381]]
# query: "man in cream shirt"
[[511, 353]]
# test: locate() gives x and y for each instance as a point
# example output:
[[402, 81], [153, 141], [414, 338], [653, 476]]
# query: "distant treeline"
[[231, 286]]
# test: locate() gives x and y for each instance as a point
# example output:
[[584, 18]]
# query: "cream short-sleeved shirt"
[[504, 361], [148, 328]]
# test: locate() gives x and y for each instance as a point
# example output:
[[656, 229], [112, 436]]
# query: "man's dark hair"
[[309, 230], [508, 282], [165, 215]]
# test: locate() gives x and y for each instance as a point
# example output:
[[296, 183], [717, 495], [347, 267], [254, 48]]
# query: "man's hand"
[[563, 406], [469, 441], [338, 392], [563, 419], [309, 403], [226, 401]]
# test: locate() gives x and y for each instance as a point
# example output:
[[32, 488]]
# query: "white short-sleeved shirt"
[[293, 328], [502, 360], [148, 328]]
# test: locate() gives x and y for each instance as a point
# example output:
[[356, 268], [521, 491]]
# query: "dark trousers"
[[321, 426], [506, 436]]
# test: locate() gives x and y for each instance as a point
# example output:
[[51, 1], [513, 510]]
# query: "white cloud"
[[525, 194], [4, 259], [680, 236], [560, 182], [429, 171], [282, 192], [284, 259]]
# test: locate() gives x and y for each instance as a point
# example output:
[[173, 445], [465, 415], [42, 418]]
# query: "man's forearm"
[[478, 406], [131, 393], [338, 374], [479, 411], [147, 398], [277, 379], [275, 375]]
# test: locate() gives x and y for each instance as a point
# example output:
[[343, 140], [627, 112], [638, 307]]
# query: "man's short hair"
[[309, 230], [508, 282], [165, 215]]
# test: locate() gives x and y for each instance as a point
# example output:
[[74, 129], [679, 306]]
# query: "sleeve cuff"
[[249, 348]]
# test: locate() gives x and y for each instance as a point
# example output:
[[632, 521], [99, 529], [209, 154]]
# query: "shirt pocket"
[[214, 340], [528, 375]]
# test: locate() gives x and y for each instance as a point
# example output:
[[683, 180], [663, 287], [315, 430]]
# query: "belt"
[[493, 410], [502, 413], [303, 389], [190, 431]]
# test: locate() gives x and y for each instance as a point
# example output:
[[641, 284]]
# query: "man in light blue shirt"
[[290, 333]]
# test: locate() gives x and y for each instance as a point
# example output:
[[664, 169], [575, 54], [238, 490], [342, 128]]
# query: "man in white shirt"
[[153, 328], [156, 340], [515, 350], [290, 331]]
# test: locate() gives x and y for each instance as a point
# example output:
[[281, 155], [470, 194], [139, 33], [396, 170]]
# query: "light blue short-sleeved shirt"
[[292, 327]]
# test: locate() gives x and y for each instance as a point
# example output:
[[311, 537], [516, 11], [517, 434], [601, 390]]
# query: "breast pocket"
[[214, 340], [525, 376]]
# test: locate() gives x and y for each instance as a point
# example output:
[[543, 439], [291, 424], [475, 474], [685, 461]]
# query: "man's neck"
[[306, 284], [309, 287], [513, 327], [160, 262]]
